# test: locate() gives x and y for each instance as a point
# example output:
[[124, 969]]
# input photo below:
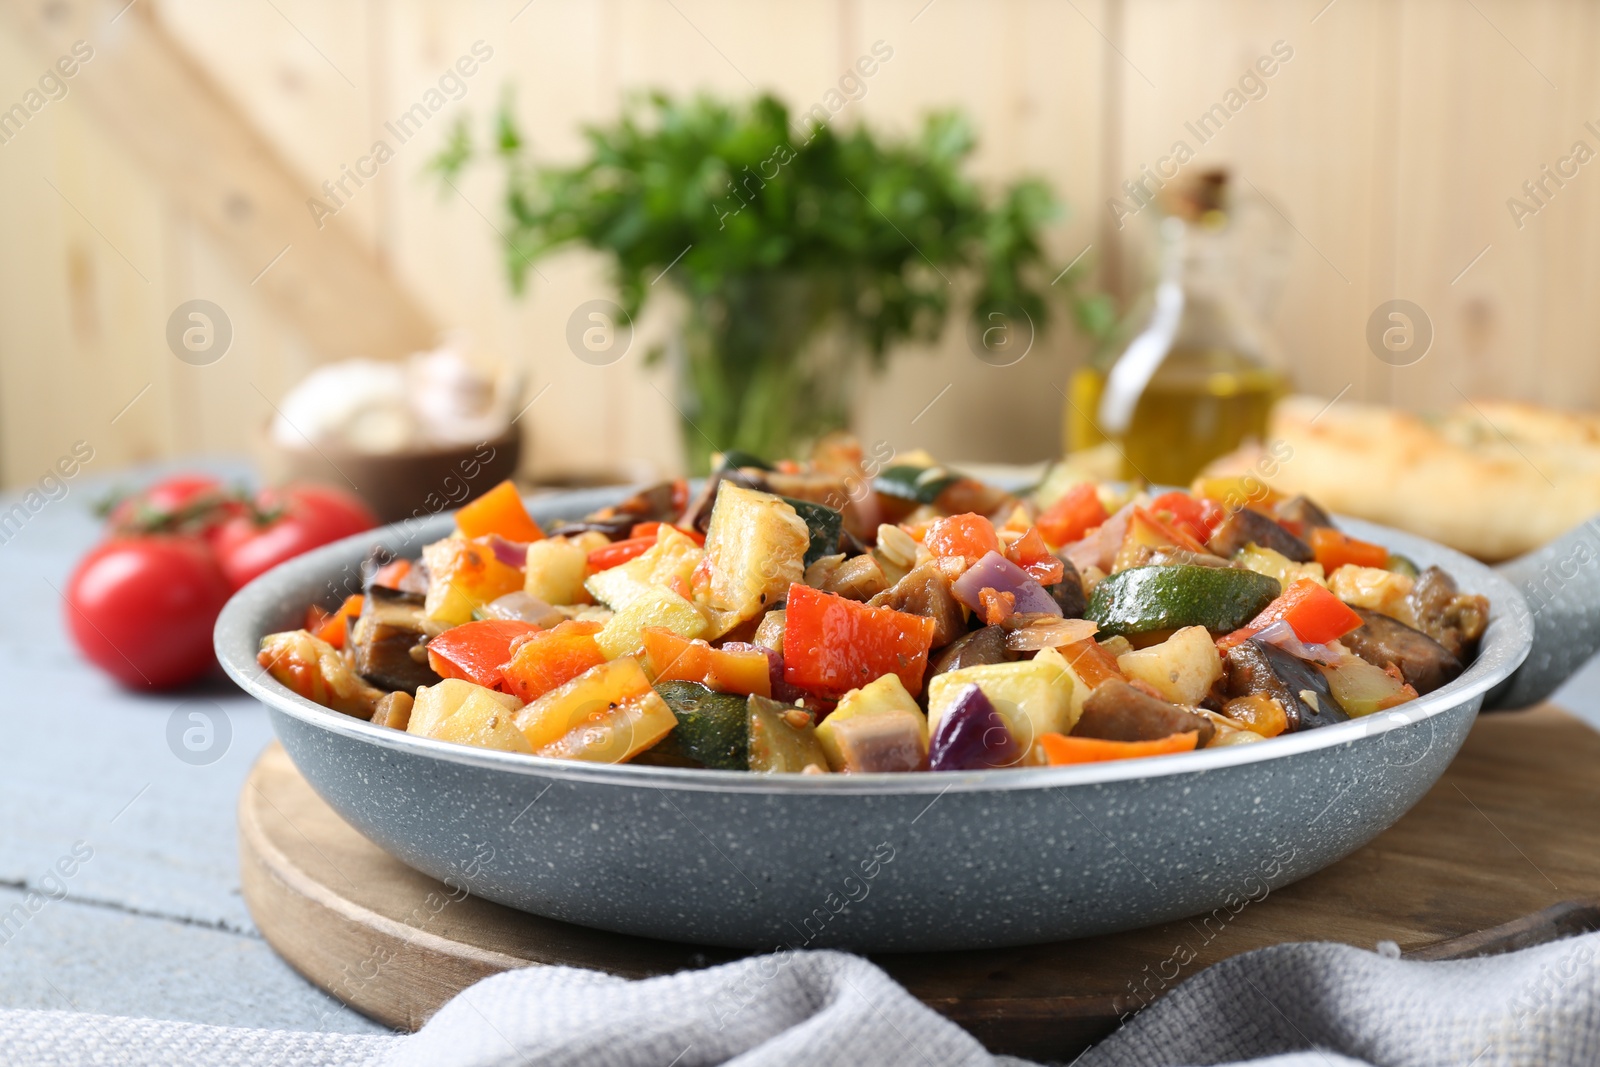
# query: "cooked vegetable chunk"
[[1144, 599], [671, 658], [1116, 711], [756, 546], [1247, 526], [832, 645], [393, 710], [987, 645], [456, 710], [1033, 696], [653, 606], [1424, 663], [713, 728], [555, 571], [1060, 750], [1454, 619], [972, 736], [1257, 667], [925, 591], [544, 660], [315, 670], [387, 641], [500, 512], [476, 650], [1182, 668], [783, 739], [464, 575], [824, 526], [878, 727], [666, 563], [608, 714]]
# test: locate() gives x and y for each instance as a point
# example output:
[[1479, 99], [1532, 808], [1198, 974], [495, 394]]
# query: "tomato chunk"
[[1333, 550], [1031, 554], [619, 552], [1077, 512], [546, 659], [391, 574], [476, 651], [1315, 615], [1198, 517], [832, 645], [970, 536], [1060, 749], [675, 659], [499, 511]]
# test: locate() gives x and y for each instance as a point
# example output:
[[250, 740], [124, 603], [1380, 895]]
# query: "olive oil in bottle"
[[1193, 374]]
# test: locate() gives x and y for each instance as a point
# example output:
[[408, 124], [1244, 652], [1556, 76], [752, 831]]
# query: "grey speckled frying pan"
[[902, 862]]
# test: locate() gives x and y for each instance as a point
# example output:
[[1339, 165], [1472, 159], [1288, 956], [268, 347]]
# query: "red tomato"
[[1077, 512], [312, 515], [184, 503], [142, 609]]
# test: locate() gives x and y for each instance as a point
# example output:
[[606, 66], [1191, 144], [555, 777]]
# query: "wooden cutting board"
[[1503, 852]]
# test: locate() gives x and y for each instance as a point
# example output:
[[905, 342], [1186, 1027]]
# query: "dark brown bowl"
[[400, 485]]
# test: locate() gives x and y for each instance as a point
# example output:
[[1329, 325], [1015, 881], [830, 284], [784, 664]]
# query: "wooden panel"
[[1392, 141]]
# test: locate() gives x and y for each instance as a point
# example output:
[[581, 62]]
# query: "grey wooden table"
[[152, 924]]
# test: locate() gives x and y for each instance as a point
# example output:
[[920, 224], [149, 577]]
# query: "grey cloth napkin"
[[1301, 1005]]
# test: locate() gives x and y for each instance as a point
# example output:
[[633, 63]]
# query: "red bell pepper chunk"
[[1198, 517], [970, 536], [619, 552], [1315, 615], [832, 645], [1031, 554], [476, 651], [1077, 512], [1333, 550], [653, 529]]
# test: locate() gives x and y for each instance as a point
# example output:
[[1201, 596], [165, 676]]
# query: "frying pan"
[[907, 862]]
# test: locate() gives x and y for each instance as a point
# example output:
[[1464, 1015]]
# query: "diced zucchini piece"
[[1142, 599], [651, 606], [555, 571], [674, 555], [909, 482], [757, 545], [878, 727], [1277, 565], [1182, 668], [824, 525], [608, 714], [1033, 696], [456, 710], [713, 728], [783, 739]]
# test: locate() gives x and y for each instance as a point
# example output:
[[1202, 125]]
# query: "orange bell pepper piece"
[[671, 658], [1333, 550], [544, 660], [1060, 749], [336, 628], [619, 552], [499, 511]]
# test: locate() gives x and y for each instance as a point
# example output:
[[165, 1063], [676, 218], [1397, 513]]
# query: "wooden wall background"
[[1392, 140]]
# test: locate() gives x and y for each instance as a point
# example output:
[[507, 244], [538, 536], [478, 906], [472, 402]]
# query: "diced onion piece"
[[1036, 630], [524, 607]]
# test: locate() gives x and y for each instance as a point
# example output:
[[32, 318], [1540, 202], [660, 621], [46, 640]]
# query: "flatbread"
[[1493, 479]]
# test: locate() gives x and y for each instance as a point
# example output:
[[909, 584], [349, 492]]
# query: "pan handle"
[[1561, 583]]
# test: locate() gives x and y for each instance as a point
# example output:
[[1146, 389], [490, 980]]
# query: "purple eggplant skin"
[[996, 572], [972, 736], [986, 645]]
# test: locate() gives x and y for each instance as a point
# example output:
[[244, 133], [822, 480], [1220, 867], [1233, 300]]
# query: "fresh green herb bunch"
[[851, 229]]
